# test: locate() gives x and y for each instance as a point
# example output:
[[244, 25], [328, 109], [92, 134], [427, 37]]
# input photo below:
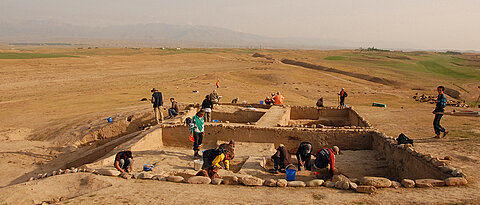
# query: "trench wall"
[[406, 163], [329, 116], [346, 139], [238, 117]]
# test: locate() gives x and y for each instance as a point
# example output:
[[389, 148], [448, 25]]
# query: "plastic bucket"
[[197, 164], [147, 167], [290, 174], [261, 102], [109, 119]]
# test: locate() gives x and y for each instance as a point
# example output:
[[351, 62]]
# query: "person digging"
[[124, 161], [217, 156], [281, 159], [304, 155], [326, 160]]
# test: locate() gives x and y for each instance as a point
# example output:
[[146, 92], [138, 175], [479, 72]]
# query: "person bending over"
[[124, 161], [304, 155], [326, 158]]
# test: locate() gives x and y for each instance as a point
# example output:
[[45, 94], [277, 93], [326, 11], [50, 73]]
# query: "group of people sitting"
[[275, 99], [324, 158]]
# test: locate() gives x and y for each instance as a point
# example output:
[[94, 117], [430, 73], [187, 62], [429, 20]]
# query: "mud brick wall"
[[342, 117], [238, 117], [405, 163], [290, 137]]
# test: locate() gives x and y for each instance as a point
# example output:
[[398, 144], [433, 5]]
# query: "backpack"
[[403, 139]]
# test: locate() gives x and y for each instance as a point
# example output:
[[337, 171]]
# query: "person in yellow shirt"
[[217, 156], [225, 158]]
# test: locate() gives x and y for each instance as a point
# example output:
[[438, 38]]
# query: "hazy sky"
[[437, 24]]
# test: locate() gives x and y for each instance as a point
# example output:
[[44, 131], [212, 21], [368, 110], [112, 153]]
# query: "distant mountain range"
[[154, 34]]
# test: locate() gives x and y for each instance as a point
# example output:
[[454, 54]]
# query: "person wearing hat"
[[326, 157], [342, 95], [124, 161], [278, 99], [157, 101], [197, 128], [282, 158]]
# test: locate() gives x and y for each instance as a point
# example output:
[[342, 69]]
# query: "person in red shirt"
[[218, 83], [325, 157], [278, 99]]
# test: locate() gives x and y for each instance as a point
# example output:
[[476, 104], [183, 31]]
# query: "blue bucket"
[[147, 167], [290, 174], [261, 102], [109, 119]]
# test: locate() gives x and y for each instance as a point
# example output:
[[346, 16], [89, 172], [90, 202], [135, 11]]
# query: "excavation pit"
[[365, 152]]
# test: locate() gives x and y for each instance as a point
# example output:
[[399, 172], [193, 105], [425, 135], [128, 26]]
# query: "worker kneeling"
[[124, 161], [216, 156], [326, 157], [281, 159]]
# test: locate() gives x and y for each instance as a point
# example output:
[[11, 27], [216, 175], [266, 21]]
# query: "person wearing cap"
[[197, 128], [304, 154], [282, 158], [278, 99], [326, 157], [342, 95], [124, 161], [157, 101], [207, 105]]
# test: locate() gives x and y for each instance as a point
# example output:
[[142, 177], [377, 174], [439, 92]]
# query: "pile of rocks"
[[61, 171]]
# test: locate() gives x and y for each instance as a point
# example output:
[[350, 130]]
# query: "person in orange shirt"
[[218, 83], [278, 99]]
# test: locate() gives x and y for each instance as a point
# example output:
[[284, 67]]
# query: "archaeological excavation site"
[[368, 160]]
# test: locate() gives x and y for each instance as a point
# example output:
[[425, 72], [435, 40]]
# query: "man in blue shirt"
[[439, 109]]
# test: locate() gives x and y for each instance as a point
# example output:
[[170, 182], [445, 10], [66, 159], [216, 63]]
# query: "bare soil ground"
[[43, 101]]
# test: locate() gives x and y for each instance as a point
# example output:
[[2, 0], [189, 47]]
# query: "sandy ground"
[[42, 100]]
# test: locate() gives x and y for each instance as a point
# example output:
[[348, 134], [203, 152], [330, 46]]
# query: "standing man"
[[124, 161], [282, 158], [218, 83], [207, 105], [197, 128], [157, 101], [278, 99], [342, 95], [325, 157], [439, 109], [304, 154], [214, 96], [173, 111]]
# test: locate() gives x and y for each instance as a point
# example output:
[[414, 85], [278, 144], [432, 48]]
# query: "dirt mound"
[[334, 70], [453, 93], [52, 189]]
